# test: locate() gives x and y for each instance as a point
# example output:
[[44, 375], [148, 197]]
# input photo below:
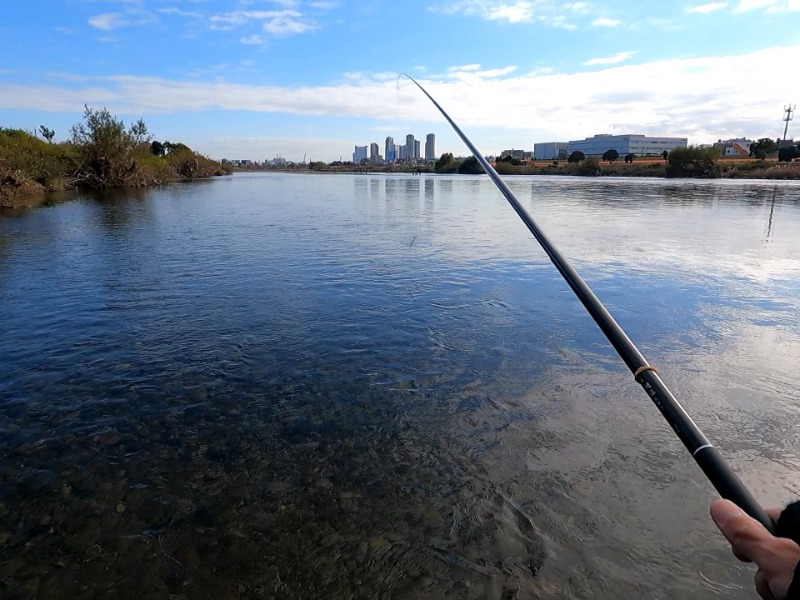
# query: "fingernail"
[[723, 511]]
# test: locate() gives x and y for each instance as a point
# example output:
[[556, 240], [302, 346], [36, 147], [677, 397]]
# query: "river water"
[[313, 386]]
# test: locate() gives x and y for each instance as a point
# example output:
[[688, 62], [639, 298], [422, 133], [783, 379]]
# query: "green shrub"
[[470, 166], [101, 153], [47, 164], [693, 161]]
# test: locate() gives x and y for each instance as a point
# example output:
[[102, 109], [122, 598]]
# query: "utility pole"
[[788, 112]]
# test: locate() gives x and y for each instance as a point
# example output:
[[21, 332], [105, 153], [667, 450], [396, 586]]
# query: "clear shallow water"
[[358, 386]]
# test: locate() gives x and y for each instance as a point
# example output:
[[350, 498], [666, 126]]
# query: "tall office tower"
[[374, 152], [416, 149], [390, 153], [410, 147], [359, 154], [430, 147]]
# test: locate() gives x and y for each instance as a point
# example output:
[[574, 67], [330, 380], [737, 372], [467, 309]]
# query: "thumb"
[[746, 535], [776, 558]]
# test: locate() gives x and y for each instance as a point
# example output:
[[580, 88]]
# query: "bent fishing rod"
[[705, 455]]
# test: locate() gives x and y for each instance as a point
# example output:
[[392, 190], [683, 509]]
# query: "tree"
[[576, 157], [610, 155], [470, 166], [788, 154], [509, 159], [589, 167], [443, 160], [762, 148], [107, 149], [665, 154], [629, 157], [157, 148], [138, 131], [693, 161], [47, 133]]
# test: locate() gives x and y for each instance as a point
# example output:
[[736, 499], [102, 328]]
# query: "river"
[[336, 386]]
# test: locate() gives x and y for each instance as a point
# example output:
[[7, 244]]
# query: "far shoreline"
[[26, 194], [740, 169]]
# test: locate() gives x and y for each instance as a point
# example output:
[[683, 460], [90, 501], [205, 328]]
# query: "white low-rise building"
[[640, 145], [734, 147]]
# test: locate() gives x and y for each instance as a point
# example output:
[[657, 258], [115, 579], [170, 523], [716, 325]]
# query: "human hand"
[[776, 558]]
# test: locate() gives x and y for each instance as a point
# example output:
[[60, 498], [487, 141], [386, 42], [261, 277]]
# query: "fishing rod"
[[705, 455]]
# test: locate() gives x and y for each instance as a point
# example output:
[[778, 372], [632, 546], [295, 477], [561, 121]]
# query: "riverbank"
[[101, 153], [721, 169]]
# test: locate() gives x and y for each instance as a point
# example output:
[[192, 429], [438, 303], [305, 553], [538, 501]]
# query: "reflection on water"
[[377, 387]]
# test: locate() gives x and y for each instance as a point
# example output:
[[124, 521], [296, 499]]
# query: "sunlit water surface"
[[297, 386]]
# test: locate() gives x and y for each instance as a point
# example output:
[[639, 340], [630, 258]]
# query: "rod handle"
[[730, 486]]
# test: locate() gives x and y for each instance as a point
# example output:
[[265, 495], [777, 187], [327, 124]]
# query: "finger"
[[745, 534], [762, 586], [739, 555], [774, 513]]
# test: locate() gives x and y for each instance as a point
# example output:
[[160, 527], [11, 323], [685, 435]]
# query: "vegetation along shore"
[[101, 153], [692, 161]]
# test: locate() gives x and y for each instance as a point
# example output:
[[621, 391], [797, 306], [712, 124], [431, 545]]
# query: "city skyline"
[[396, 152], [258, 78]]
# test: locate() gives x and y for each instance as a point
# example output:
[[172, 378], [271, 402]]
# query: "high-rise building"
[[374, 152], [430, 147], [359, 154], [410, 144], [416, 150], [390, 151]]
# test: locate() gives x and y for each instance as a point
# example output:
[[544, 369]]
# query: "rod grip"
[[730, 486]]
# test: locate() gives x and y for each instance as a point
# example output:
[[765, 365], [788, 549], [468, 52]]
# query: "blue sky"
[[258, 78]]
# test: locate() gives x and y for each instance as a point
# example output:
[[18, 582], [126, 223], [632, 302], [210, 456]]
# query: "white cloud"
[[232, 20], [606, 22], [548, 12], [610, 60], [770, 6], [252, 40], [747, 5], [511, 13], [172, 10], [475, 72], [686, 97], [288, 23], [577, 7], [707, 8], [275, 22], [107, 21], [115, 20], [288, 20]]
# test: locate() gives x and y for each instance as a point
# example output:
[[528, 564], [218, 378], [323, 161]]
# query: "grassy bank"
[[690, 163], [724, 169], [101, 153]]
